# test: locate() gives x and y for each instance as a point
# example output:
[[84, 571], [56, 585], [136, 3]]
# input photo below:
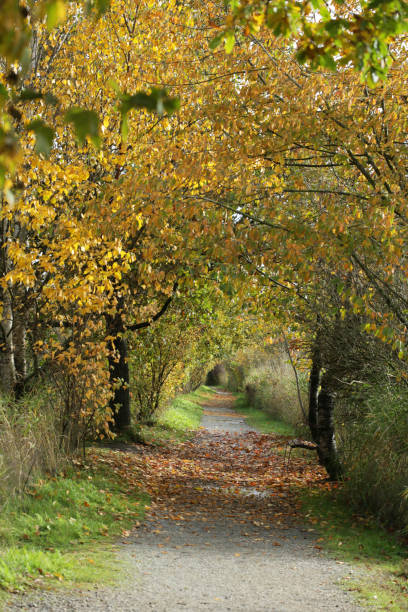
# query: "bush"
[[165, 359], [156, 361], [79, 390], [235, 375]]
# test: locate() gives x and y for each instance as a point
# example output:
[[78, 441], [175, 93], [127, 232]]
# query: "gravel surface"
[[213, 563]]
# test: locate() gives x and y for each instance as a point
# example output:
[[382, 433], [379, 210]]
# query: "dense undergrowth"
[[29, 444], [371, 426], [373, 440]]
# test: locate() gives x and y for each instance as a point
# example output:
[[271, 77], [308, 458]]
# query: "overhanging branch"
[[157, 316]]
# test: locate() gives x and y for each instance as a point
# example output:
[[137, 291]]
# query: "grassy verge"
[[58, 532], [383, 582], [181, 418], [261, 420]]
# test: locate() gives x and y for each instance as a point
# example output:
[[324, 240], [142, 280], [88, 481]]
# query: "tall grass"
[[29, 443], [373, 439]]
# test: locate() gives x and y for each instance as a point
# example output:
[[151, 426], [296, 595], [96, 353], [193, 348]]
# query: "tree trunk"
[[119, 374], [314, 381], [7, 365], [326, 441]]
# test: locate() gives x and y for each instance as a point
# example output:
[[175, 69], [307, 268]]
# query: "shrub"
[[79, 390], [157, 359]]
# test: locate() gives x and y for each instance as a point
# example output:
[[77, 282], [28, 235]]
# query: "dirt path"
[[222, 534]]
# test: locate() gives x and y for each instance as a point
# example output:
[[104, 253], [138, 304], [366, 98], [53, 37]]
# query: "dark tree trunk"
[[118, 362], [327, 448], [314, 381], [119, 374]]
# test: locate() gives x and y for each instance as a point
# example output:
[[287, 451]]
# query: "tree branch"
[[157, 316]]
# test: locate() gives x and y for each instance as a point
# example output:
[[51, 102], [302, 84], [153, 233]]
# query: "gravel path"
[[213, 561]]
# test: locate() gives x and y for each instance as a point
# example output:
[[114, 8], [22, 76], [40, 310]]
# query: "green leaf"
[[327, 61], [112, 83], [321, 7], [156, 101], [101, 6], [138, 100], [50, 99], [44, 136], [3, 172], [124, 127], [378, 3], [333, 27], [171, 105], [25, 61], [30, 94], [86, 123]]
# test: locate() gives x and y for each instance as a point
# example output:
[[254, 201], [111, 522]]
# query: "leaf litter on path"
[[243, 477]]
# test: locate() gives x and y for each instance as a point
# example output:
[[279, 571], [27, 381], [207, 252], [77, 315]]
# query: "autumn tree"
[[108, 234], [268, 170]]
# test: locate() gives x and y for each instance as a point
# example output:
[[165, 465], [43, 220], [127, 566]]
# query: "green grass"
[[181, 418], [262, 420], [383, 559], [60, 529]]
